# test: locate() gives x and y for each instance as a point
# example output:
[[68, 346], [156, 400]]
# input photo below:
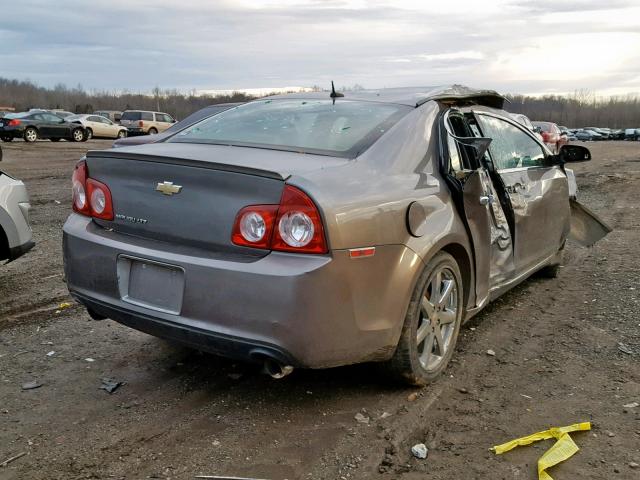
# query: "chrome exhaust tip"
[[276, 370]]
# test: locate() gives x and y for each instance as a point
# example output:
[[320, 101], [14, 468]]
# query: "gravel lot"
[[566, 350]]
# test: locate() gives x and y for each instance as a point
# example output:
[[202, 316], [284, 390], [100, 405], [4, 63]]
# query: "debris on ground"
[[110, 385], [632, 405], [420, 450], [563, 449], [51, 353], [216, 477], [11, 459], [491, 353], [31, 385], [412, 397], [90, 360], [360, 418], [63, 306], [235, 376], [624, 349]]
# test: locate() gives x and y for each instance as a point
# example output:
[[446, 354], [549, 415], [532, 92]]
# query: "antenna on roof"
[[335, 94]]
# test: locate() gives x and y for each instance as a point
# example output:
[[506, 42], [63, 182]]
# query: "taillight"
[[14, 123], [299, 226], [90, 197], [254, 226], [79, 190], [292, 226]]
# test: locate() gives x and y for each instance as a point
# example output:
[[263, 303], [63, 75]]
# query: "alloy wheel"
[[78, 135], [438, 315], [31, 135]]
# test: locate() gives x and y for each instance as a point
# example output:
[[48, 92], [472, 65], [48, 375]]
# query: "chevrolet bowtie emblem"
[[168, 188]]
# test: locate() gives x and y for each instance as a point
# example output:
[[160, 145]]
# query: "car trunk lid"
[[191, 196]]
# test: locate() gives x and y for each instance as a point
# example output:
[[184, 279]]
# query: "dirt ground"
[[567, 350]]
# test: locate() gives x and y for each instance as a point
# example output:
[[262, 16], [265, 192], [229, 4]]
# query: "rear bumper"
[[17, 252], [203, 339], [14, 216], [310, 311], [12, 132], [132, 131]]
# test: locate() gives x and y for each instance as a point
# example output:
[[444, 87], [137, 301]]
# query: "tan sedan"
[[99, 127]]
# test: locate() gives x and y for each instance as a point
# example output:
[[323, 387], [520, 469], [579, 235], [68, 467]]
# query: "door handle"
[[486, 200]]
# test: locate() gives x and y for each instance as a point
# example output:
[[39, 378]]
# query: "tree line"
[[23, 95], [580, 109]]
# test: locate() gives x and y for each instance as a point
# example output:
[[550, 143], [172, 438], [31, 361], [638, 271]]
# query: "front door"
[[56, 126], [538, 191]]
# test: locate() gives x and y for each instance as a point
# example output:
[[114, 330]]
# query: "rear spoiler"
[[118, 153]]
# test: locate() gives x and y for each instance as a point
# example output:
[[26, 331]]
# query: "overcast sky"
[[514, 46]]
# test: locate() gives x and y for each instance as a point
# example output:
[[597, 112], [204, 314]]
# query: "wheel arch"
[[461, 255], [459, 248], [5, 251]]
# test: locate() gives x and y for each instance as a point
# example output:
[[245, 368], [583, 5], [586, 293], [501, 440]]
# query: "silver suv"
[[140, 122], [15, 232]]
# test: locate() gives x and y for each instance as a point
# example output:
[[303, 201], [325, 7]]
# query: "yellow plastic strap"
[[563, 449]]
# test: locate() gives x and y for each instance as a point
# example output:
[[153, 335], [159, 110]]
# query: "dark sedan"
[[206, 112], [34, 125]]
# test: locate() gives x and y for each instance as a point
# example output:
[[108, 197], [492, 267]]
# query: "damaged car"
[[15, 231], [322, 229]]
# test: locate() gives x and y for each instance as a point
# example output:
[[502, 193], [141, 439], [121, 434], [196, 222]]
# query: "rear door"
[[481, 207], [538, 192], [163, 121]]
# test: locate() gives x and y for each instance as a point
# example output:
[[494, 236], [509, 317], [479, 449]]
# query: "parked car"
[[140, 122], [113, 115], [15, 232], [33, 125], [604, 135], [176, 127], [309, 231], [588, 135], [524, 120], [61, 113], [551, 135], [99, 127], [616, 134], [632, 134]]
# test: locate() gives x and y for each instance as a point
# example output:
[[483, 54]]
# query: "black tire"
[[553, 270], [88, 134], [406, 364], [54, 139], [78, 135], [122, 134], [30, 135], [152, 131], [550, 271], [7, 139]]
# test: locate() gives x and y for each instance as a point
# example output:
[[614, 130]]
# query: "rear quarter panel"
[[365, 202]]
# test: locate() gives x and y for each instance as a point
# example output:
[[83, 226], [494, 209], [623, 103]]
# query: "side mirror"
[[574, 153]]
